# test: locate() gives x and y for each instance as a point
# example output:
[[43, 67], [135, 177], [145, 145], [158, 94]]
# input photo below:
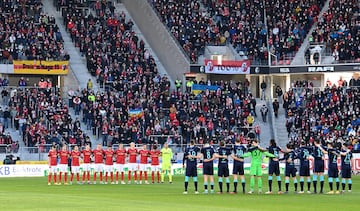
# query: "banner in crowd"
[[227, 67], [41, 67], [136, 113], [197, 88]]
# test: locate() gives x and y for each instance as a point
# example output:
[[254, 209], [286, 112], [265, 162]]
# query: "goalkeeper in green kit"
[[256, 154]]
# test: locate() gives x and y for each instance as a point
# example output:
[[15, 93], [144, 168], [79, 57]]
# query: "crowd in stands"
[[331, 115], [241, 23], [339, 28], [28, 33]]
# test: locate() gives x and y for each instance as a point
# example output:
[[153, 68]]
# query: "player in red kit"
[[132, 152], [86, 156], [120, 163], [63, 166], [144, 155], [155, 165], [52, 164], [109, 155], [99, 166], [75, 164]]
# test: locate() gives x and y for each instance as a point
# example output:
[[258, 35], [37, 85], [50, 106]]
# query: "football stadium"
[[179, 104]]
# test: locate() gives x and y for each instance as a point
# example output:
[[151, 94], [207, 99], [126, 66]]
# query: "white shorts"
[[109, 168], [75, 169], [133, 166], [155, 168], [143, 167], [98, 167], [63, 167], [86, 166], [53, 169], [119, 167]]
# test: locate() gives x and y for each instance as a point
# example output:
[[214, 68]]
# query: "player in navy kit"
[[191, 156], [304, 156], [319, 168], [274, 167], [223, 166], [238, 169], [346, 158], [208, 155], [290, 170]]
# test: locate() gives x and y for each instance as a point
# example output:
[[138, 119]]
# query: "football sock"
[[279, 182], [83, 176], [186, 182], [195, 183], [235, 185], [60, 177], [252, 183], [94, 176], [260, 183], [49, 178], [270, 183], [71, 177], [112, 176], [170, 176], [220, 184], [106, 176], [205, 185], [101, 176], [321, 183], [315, 182], [212, 185], [308, 184], [141, 175], [295, 184], [77, 177], [343, 184], [55, 178], [158, 176], [301, 184], [337, 183], [330, 183], [227, 184], [88, 175], [243, 184], [65, 177], [135, 175], [287, 185], [117, 176], [349, 183], [152, 176], [162, 176], [129, 175]]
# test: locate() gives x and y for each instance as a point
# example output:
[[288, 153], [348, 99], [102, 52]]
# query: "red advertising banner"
[[227, 67]]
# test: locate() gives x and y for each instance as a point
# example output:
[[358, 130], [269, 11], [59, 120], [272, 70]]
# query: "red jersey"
[[154, 155], [99, 155], [53, 157], [120, 156], [75, 158], [144, 156], [132, 155], [87, 155], [64, 155], [109, 154]]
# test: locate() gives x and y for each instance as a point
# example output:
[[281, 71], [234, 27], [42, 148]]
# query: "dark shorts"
[[274, 168], [191, 171], [223, 170], [208, 168], [238, 168], [304, 170], [346, 172], [333, 171], [290, 171], [319, 166]]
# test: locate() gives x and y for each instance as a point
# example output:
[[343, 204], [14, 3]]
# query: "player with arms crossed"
[[319, 166], [144, 155], [256, 153], [86, 156], [155, 164], [99, 163], [190, 157], [346, 167], [290, 170], [75, 164], [52, 164], [166, 156], [304, 157], [132, 152], [223, 153], [120, 154], [274, 166], [238, 169], [208, 155], [63, 166], [109, 164]]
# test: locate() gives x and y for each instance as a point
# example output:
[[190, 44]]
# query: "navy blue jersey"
[[208, 152], [346, 159], [224, 151], [289, 158], [275, 151], [332, 156], [192, 150], [303, 155], [317, 153], [239, 151]]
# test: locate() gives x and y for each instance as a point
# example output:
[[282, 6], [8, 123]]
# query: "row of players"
[[238, 152], [99, 155]]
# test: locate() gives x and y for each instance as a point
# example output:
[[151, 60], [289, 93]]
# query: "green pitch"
[[35, 194]]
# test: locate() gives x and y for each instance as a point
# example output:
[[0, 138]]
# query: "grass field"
[[35, 194]]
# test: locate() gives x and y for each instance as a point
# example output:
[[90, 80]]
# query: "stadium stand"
[[339, 29], [241, 23], [27, 33]]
